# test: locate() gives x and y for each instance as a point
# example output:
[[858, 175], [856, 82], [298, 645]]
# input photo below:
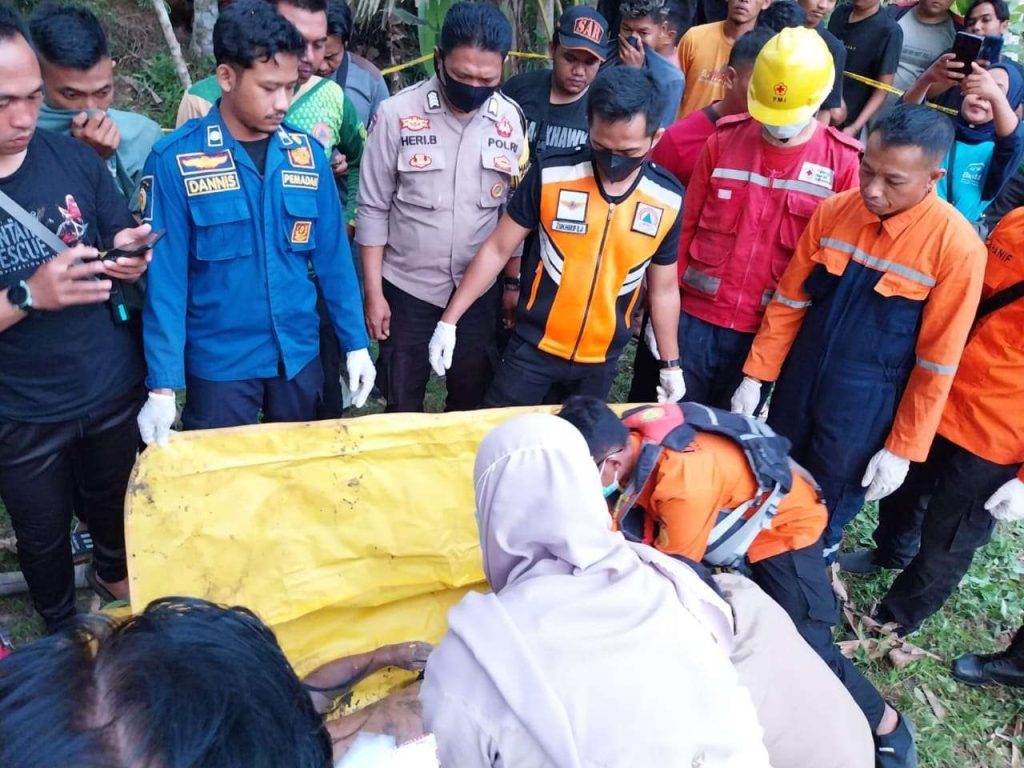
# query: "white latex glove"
[[746, 397], [671, 387], [361, 375], [442, 348], [885, 473], [1007, 503], [156, 417], [651, 340]]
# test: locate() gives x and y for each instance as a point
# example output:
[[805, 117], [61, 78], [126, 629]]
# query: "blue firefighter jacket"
[[229, 295]]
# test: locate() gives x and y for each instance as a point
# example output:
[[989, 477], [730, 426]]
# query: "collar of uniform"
[[434, 102], [896, 225]]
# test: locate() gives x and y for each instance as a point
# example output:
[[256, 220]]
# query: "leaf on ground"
[[849, 647], [838, 585], [934, 703]]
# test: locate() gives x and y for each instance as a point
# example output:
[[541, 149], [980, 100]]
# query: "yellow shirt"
[[703, 57]]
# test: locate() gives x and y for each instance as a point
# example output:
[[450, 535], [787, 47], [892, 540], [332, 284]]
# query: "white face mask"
[[786, 132]]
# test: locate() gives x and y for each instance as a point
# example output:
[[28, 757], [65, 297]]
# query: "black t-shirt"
[[257, 151], [548, 126], [524, 207], [834, 100], [872, 49], [56, 366]]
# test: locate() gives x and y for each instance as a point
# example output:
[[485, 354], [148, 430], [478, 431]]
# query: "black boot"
[[859, 561], [897, 749], [1006, 668]]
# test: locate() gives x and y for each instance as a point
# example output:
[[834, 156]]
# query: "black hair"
[[637, 9], [915, 125], [476, 25], [677, 16], [782, 14], [339, 20], [186, 682], [598, 424], [252, 30], [622, 93], [69, 36], [1001, 9], [11, 25], [314, 6], [748, 45]]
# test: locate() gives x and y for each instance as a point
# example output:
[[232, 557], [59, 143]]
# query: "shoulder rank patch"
[[420, 160], [502, 163], [300, 232], [301, 157], [492, 107], [145, 198], [212, 183], [647, 219], [195, 163], [300, 180], [433, 100], [413, 123], [284, 137], [214, 137]]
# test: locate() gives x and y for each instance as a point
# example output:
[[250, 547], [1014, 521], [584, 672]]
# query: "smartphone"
[[634, 42], [135, 247], [991, 49], [967, 49]]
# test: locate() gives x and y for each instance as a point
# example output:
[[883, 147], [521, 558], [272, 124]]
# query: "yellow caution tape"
[[420, 60], [895, 91]]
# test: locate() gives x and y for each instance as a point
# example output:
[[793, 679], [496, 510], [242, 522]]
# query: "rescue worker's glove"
[[442, 347], [671, 387], [747, 397], [361, 375], [1007, 503], [885, 473], [156, 417]]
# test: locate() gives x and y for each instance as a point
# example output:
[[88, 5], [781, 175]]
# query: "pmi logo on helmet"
[[779, 93], [587, 28]]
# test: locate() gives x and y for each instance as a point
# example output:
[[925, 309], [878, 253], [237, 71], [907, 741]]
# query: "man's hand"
[[509, 304], [361, 375], [885, 473], [67, 281], [378, 316], [339, 164], [127, 269], [628, 55], [852, 130], [1007, 503], [747, 397], [97, 130], [157, 417], [671, 387], [412, 656], [945, 71], [442, 348]]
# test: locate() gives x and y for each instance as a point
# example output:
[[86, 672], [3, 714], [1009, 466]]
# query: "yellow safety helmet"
[[792, 76]]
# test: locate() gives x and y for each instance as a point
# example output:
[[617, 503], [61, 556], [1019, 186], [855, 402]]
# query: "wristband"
[[673, 363]]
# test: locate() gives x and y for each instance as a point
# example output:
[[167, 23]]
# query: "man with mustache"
[[248, 202]]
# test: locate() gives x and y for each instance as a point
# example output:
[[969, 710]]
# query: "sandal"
[[97, 586]]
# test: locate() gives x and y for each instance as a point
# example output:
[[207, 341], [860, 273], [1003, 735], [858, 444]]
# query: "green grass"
[[980, 728]]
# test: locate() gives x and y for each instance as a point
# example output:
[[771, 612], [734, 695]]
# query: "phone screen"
[[991, 48], [967, 49]]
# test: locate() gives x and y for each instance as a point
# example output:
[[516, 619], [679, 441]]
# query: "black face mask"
[[615, 167], [465, 98]]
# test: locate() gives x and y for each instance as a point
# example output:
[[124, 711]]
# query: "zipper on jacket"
[[593, 282]]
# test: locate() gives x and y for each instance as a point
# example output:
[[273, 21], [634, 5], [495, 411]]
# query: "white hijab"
[[603, 653]]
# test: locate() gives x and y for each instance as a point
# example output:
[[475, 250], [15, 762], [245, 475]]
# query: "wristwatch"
[[673, 363], [20, 295], [511, 283]]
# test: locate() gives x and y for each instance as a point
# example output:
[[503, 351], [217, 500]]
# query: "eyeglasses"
[[600, 464]]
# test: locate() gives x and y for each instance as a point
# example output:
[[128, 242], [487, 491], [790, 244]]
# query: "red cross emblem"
[[780, 89]]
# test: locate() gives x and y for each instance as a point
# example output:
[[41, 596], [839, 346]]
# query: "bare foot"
[[411, 656]]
